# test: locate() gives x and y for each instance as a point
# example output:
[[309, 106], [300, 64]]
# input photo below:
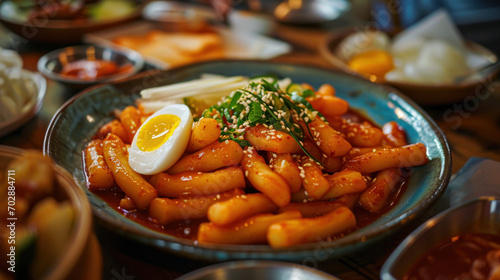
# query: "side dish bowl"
[[80, 235], [77, 121], [423, 94], [477, 216]]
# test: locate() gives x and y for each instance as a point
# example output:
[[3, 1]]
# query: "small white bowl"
[[20, 119]]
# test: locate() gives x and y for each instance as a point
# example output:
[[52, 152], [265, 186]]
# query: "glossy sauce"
[[184, 229], [93, 69], [462, 257]]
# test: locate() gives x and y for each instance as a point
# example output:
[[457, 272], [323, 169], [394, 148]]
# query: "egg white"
[[166, 155]]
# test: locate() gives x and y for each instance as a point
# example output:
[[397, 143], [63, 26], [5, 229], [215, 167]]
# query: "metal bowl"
[[481, 215], [52, 63], [262, 270]]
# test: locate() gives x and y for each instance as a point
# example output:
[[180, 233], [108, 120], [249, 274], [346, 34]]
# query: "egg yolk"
[[374, 62], [156, 132]]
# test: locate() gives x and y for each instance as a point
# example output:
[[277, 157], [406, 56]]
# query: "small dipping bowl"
[[481, 215], [51, 64], [262, 270]]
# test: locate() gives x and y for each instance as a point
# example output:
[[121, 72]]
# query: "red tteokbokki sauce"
[[93, 69]]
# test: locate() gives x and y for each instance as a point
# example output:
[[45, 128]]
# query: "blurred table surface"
[[473, 130]]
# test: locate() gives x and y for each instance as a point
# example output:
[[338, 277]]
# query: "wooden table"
[[472, 129]]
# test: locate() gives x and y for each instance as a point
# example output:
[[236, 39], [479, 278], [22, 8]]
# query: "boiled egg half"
[[161, 140]]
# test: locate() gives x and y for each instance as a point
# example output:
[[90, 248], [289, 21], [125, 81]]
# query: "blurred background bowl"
[[477, 216], [74, 262], [52, 63], [178, 16], [424, 94], [58, 31]]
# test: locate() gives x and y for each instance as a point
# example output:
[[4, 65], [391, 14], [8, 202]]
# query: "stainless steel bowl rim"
[[414, 236], [261, 266]]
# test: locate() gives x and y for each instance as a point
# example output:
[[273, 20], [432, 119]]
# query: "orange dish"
[[175, 48]]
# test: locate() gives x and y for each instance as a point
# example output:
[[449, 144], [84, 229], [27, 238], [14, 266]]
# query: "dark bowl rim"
[[350, 239], [132, 56]]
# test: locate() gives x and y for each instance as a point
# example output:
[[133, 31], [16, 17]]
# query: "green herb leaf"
[[235, 98], [256, 113], [308, 93]]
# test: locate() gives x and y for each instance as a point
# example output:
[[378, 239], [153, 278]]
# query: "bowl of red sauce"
[[82, 66], [460, 243]]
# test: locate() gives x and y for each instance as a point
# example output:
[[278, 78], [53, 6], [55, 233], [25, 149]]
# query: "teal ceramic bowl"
[[80, 118]]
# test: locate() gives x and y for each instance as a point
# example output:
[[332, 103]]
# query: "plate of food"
[[164, 48], [291, 160], [65, 22]]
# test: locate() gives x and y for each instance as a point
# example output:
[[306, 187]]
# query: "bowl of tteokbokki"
[[242, 159]]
